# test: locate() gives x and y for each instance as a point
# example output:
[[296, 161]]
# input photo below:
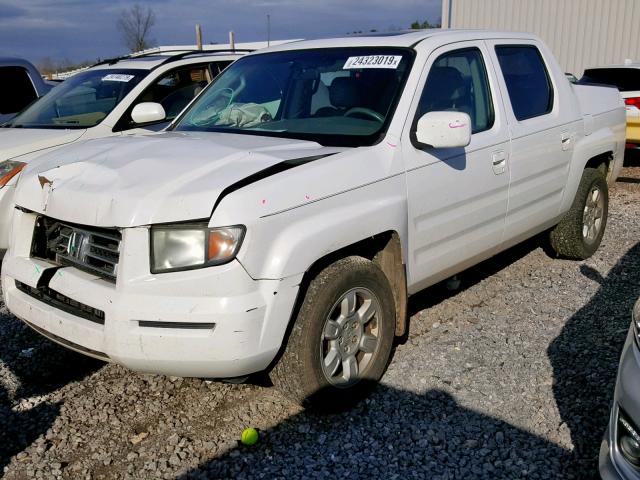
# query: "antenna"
[[268, 30]]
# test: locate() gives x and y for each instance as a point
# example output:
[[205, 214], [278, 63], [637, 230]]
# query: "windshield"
[[336, 96], [82, 101]]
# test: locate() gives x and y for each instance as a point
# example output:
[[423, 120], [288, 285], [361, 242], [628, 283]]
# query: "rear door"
[[543, 123], [457, 196]]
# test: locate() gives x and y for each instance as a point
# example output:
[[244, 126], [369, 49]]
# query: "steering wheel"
[[367, 112]]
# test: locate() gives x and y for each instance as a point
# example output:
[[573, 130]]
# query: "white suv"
[[105, 100]]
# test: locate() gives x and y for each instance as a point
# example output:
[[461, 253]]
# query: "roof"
[[155, 56], [399, 39], [152, 58], [15, 62], [212, 47], [153, 61]]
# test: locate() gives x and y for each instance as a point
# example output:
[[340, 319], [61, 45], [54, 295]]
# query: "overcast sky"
[[86, 29]]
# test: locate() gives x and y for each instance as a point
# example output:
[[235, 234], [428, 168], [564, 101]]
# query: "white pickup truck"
[[284, 218]]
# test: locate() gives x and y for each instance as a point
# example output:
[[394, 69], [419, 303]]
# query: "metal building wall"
[[581, 33]]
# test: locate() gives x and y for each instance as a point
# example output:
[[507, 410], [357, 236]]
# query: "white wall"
[[581, 33]]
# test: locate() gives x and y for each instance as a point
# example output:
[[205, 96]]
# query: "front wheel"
[[580, 232], [341, 340]]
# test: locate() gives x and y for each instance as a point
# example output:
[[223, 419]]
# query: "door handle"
[[565, 139], [499, 161]]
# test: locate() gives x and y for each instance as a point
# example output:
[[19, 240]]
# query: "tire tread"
[[290, 375], [566, 237]]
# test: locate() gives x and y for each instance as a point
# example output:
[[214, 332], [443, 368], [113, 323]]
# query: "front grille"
[[62, 302], [95, 250]]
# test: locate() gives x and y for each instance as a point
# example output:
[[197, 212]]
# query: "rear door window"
[[527, 80], [16, 90]]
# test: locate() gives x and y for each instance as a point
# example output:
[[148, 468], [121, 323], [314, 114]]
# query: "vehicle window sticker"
[[117, 77], [373, 61]]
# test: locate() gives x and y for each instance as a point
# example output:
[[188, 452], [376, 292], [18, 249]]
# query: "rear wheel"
[[341, 340], [580, 232]]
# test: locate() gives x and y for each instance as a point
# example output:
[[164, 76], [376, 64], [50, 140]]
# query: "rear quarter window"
[[527, 80]]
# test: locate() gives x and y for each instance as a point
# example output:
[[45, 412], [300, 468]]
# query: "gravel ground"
[[509, 377]]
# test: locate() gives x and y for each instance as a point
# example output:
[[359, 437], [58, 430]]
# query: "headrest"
[[344, 93], [447, 79]]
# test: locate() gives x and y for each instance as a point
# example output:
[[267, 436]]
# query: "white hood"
[[15, 142], [141, 180]]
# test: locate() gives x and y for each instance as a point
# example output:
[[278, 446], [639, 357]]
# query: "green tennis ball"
[[249, 436]]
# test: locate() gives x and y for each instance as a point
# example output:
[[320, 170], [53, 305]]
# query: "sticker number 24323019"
[[373, 61]]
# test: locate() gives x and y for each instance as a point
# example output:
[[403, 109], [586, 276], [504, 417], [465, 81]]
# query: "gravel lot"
[[509, 377]]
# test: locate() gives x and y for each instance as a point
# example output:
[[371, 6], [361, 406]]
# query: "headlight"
[[8, 170], [189, 246]]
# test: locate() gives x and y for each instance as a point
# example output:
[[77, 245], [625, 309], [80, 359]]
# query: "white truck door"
[[457, 197], [543, 123]]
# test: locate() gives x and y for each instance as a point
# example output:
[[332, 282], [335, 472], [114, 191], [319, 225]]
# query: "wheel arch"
[[602, 162], [602, 159], [384, 250]]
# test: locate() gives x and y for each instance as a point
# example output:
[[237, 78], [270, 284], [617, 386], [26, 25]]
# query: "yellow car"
[[627, 79]]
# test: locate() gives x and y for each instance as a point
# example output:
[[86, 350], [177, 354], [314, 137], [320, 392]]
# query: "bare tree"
[[135, 24], [50, 65]]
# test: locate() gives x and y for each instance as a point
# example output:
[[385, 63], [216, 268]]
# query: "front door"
[[457, 196]]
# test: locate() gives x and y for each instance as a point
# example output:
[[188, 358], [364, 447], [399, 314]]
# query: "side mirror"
[[147, 112], [444, 129]]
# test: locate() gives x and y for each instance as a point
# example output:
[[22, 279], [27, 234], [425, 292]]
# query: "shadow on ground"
[[32, 366], [395, 434], [432, 436], [586, 353]]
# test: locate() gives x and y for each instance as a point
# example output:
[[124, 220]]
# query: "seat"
[[446, 90], [344, 94]]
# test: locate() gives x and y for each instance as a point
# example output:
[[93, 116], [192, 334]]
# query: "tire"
[[579, 234], [347, 316]]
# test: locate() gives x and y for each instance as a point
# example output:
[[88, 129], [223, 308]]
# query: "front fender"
[[298, 216], [289, 242]]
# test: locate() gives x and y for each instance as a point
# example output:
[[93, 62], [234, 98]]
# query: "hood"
[[141, 180], [15, 142]]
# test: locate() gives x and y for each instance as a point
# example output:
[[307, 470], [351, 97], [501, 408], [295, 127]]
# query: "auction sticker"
[[117, 77], [373, 61]]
